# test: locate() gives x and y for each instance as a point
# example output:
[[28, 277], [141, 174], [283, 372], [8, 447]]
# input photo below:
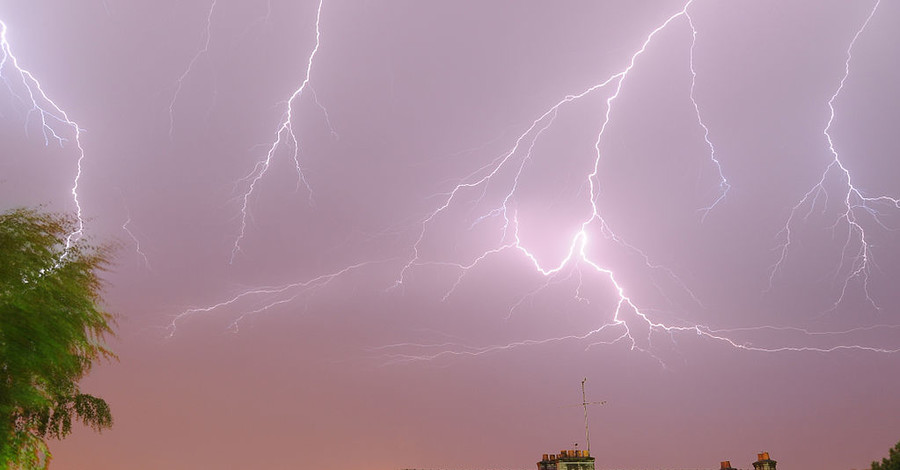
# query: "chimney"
[[726, 465], [763, 462]]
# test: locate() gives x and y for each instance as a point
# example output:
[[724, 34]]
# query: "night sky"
[[387, 234]]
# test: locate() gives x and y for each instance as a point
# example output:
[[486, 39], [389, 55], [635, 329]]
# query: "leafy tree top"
[[51, 332], [891, 462]]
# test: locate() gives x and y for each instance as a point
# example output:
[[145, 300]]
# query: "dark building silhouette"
[[582, 460], [567, 460]]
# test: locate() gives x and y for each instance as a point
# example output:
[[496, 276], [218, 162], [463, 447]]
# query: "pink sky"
[[431, 287]]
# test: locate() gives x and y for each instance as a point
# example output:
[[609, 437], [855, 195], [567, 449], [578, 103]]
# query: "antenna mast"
[[585, 403]]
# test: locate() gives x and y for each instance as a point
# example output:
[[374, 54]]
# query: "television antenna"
[[585, 403]]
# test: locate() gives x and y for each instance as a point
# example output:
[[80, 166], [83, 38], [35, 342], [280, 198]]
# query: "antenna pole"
[[587, 430], [585, 403]]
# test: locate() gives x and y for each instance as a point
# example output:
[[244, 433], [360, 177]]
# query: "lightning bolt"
[[577, 253], [284, 135], [628, 322], [483, 177], [431, 352], [207, 35], [621, 327], [137, 243], [54, 122], [856, 253], [260, 298], [724, 187]]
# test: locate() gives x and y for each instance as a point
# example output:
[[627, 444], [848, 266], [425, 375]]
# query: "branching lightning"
[[284, 135], [620, 328], [518, 157], [723, 182], [628, 322], [136, 241], [577, 253], [264, 298], [856, 259], [54, 121], [207, 35]]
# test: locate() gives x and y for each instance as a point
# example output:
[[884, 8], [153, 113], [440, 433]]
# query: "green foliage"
[[891, 462], [51, 332]]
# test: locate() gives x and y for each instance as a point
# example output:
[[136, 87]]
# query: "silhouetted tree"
[[51, 332], [891, 462]]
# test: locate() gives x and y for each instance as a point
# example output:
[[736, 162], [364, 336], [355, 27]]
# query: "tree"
[[891, 462], [51, 333]]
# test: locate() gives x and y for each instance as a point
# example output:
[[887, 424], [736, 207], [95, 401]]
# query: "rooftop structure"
[[763, 462], [582, 460], [567, 460]]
